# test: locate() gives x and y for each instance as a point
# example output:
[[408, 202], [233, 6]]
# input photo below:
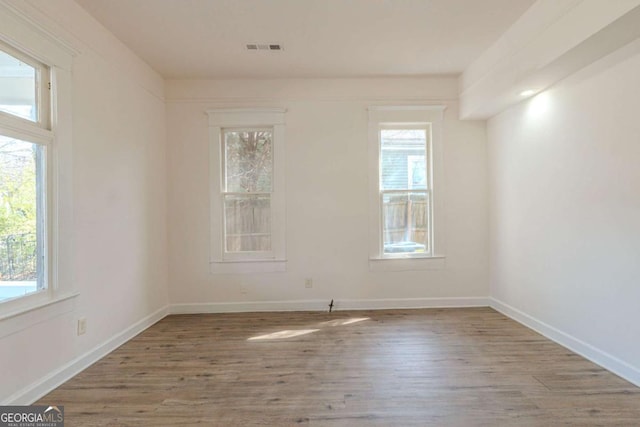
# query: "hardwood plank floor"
[[432, 367]]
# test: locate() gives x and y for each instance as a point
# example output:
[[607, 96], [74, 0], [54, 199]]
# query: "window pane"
[[403, 159], [21, 269], [17, 88], [405, 222], [247, 223], [248, 161]]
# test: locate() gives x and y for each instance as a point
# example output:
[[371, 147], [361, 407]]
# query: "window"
[[24, 113], [405, 173], [22, 222], [247, 190], [36, 197], [23, 87], [248, 166], [404, 191]]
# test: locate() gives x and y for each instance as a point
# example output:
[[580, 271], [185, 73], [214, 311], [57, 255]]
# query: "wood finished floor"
[[433, 367]]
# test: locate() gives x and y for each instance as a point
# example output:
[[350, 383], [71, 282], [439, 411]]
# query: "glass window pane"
[[403, 159], [248, 161], [21, 269], [17, 88], [405, 222], [247, 223]]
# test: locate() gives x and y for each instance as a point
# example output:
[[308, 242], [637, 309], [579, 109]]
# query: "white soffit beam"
[[552, 40]]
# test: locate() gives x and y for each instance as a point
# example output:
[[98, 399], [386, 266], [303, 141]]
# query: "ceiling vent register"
[[264, 46]]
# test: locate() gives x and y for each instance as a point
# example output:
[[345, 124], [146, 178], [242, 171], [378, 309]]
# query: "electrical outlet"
[[308, 283], [82, 326]]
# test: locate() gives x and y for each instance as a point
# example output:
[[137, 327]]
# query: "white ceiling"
[[321, 38]]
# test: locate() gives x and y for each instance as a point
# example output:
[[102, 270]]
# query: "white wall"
[[565, 210], [562, 211], [327, 199], [119, 205]]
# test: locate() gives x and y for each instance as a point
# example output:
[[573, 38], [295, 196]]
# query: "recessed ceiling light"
[[527, 92]]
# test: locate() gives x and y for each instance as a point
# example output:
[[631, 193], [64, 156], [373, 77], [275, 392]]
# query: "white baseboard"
[[35, 391], [247, 307], [382, 304], [597, 356], [323, 305]]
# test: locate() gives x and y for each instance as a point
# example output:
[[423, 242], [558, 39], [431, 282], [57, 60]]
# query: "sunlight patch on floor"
[[280, 335], [342, 322], [283, 334]]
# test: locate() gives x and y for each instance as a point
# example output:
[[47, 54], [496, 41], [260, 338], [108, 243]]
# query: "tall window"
[[404, 189], [247, 190], [406, 172], [24, 141], [248, 167]]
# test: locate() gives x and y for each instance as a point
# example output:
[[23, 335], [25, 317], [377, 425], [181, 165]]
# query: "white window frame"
[[246, 119], [43, 95], [239, 256], [53, 130], [427, 190], [429, 117]]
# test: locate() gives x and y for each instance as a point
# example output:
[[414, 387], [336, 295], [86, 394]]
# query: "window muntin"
[[404, 191]]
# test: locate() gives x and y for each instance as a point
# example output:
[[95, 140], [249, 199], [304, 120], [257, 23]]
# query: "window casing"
[[405, 162], [247, 190], [35, 125]]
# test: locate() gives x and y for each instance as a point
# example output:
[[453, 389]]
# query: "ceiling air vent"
[[264, 46]]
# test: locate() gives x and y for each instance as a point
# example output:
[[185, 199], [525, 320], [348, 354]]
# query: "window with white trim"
[[25, 138], [405, 196], [247, 190], [405, 175], [36, 194]]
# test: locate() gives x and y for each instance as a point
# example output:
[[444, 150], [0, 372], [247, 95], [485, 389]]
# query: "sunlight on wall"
[[539, 106]]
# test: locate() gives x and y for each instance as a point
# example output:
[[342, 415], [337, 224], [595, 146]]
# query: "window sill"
[[407, 264], [248, 266], [23, 318]]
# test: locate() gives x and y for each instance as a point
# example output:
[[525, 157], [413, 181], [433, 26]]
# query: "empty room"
[[319, 212]]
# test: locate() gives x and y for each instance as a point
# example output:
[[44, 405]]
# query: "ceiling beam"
[[552, 40]]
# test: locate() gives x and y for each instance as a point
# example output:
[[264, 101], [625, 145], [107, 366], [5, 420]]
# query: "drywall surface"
[[564, 209], [119, 206], [327, 200]]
